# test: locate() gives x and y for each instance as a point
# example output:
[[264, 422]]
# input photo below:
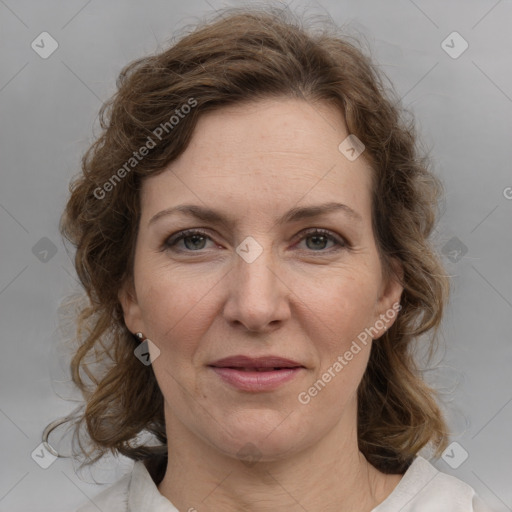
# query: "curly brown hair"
[[244, 55]]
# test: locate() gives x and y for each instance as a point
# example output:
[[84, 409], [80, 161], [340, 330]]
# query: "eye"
[[320, 237], [194, 240]]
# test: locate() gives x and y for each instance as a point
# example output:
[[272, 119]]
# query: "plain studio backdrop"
[[450, 63]]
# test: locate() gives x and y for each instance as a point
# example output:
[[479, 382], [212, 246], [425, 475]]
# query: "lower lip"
[[254, 380]]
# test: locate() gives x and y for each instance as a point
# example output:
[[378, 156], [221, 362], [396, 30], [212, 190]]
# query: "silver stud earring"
[[140, 336]]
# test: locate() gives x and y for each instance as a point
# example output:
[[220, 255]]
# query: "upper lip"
[[240, 361]]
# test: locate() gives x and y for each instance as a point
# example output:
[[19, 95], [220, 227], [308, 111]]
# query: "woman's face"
[[277, 270]]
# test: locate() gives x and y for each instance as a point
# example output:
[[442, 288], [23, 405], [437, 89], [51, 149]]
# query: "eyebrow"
[[293, 215]]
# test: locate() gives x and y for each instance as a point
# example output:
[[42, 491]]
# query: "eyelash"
[[171, 241]]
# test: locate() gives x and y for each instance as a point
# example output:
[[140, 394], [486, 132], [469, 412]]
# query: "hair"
[[238, 56]]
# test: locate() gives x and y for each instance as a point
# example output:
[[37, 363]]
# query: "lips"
[[261, 364], [256, 374]]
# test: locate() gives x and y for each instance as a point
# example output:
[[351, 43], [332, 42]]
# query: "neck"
[[331, 475]]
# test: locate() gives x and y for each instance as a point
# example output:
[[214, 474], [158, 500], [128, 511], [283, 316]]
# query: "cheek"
[[346, 307], [176, 307], [342, 313], [176, 320]]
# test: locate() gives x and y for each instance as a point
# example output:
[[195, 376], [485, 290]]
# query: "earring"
[[140, 336]]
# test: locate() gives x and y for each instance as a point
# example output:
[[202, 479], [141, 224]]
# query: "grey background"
[[463, 107]]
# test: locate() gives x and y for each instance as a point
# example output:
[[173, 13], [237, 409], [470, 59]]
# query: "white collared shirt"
[[422, 489]]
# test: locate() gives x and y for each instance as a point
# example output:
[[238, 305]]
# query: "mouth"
[[256, 374], [251, 369], [263, 363]]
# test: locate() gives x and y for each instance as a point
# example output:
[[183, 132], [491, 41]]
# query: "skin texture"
[[303, 298]]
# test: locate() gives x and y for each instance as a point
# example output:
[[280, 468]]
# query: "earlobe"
[[397, 270], [131, 310], [126, 294], [389, 301], [393, 287]]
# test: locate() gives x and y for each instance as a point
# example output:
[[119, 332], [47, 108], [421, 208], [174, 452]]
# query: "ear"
[[388, 302], [131, 309]]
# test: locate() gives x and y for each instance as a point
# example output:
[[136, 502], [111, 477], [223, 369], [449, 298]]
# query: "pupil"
[[195, 238], [317, 238], [319, 241]]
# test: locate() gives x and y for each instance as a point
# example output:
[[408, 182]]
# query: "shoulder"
[[134, 491], [113, 499], [425, 489]]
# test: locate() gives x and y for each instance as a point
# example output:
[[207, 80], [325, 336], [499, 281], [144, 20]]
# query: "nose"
[[258, 297]]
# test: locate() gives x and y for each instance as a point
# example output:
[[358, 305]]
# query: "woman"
[[252, 230]]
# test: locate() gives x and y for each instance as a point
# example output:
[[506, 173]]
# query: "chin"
[[259, 435]]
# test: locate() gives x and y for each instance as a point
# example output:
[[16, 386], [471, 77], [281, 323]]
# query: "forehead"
[[263, 153]]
